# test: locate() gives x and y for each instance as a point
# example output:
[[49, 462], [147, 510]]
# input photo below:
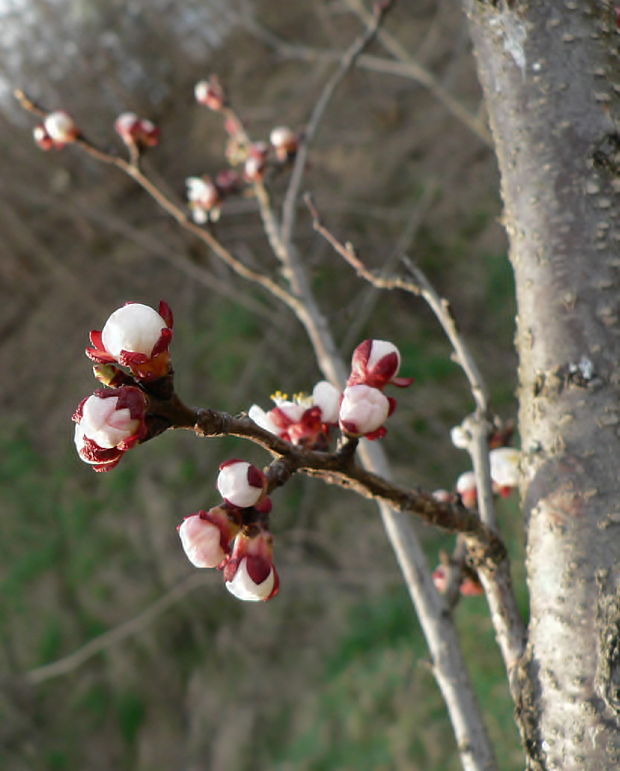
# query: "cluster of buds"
[[234, 536], [303, 420], [504, 466], [136, 132], [113, 420], [57, 130], [364, 407]]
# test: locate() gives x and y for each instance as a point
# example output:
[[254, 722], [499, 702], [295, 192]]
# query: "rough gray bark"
[[551, 75]]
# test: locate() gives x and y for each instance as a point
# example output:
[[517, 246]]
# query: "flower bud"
[[363, 411], [42, 138], [376, 363], [460, 438], [250, 573], [136, 131], [210, 93], [466, 487], [109, 423], [61, 127], [241, 484], [285, 142], [206, 536], [138, 337], [204, 199], [256, 163], [504, 463]]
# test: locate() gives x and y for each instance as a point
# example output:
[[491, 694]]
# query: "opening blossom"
[[240, 483], [206, 536], [108, 423], [204, 199], [304, 420], [138, 337], [250, 573], [376, 363]]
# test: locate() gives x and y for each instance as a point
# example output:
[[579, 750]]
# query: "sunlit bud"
[[61, 127], [241, 484], [460, 438], [136, 131], [138, 337], [363, 411], [327, 398], [250, 573], [466, 487], [376, 363], [504, 463], [442, 496], [210, 93], [42, 138], [206, 536], [284, 141], [109, 423]]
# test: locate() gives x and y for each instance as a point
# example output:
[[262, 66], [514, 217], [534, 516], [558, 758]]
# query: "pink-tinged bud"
[[285, 142], [250, 573], [61, 127], [466, 488], [504, 463], [210, 93], [363, 411], [206, 536], [327, 398], [138, 337], [440, 579], [241, 484], [42, 138], [376, 363], [136, 131], [204, 199], [109, 423]]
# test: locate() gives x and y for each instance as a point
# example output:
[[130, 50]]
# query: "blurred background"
[[156, 666]]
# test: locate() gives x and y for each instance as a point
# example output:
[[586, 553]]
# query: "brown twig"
[[289, 207]]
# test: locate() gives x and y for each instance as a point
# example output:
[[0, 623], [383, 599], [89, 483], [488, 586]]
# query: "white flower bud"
[[327, 397], [60, 126], [135, 328], [363, 409], [244, 588], [240, 483], [201, 541], [282, 135], [505, 466], [459, 437]]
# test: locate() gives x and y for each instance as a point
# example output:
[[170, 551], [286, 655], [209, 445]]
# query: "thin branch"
[[347, 61], [119, 633], [497, 582], [405, 67], [174, 210]]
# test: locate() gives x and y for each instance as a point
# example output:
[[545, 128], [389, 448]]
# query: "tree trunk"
[[551, 76]]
